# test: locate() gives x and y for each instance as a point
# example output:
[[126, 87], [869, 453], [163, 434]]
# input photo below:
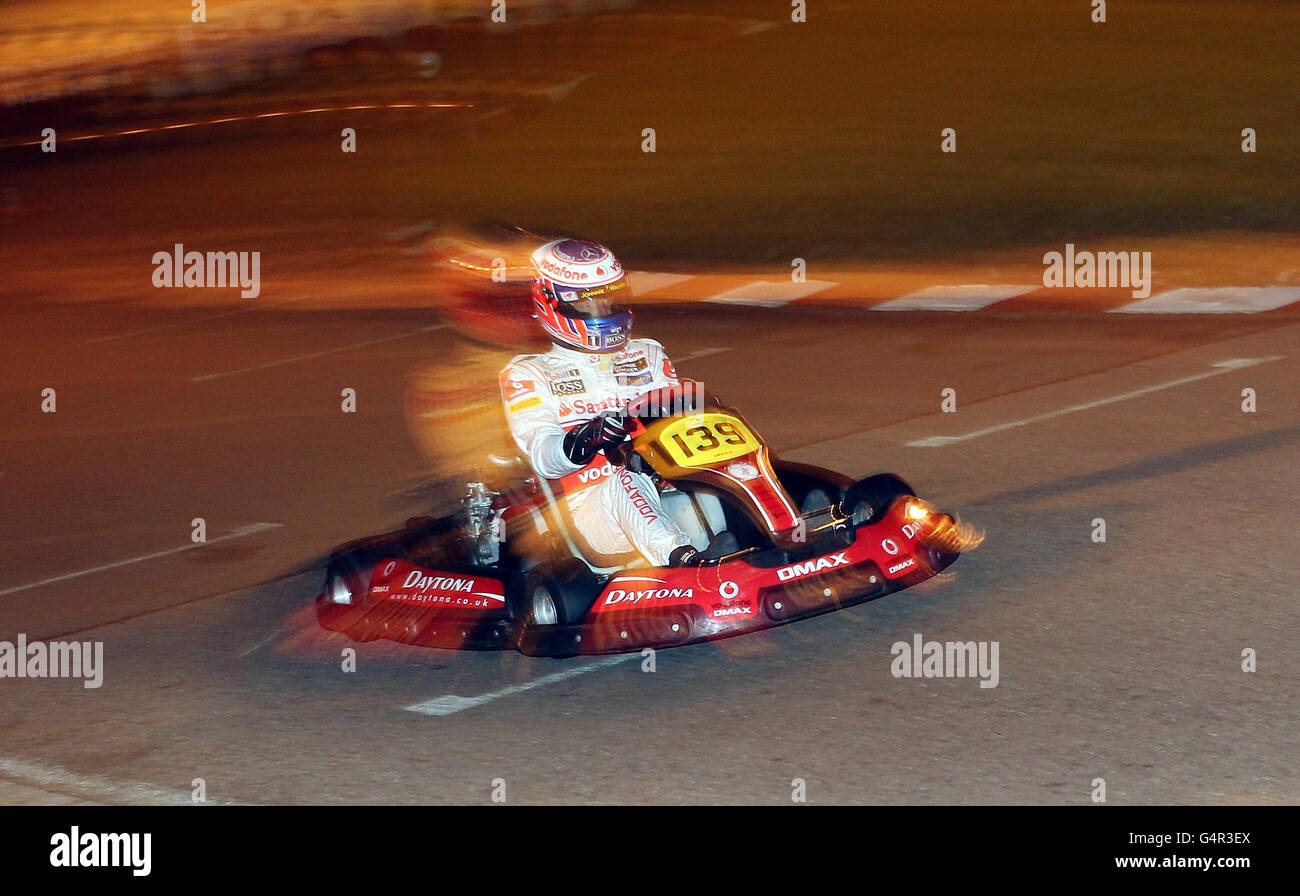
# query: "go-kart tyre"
[[345, 577], [868, 499], [815, 499], [542, 602], [811, 488], [559, 595]]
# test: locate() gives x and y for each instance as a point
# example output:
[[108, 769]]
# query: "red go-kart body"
[[798, 541]]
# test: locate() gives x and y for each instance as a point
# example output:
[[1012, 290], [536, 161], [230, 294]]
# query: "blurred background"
[[775, 140]]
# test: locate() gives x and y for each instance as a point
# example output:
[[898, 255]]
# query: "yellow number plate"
[[703, 440]]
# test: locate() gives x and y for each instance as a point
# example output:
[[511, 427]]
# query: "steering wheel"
[[686, 398]]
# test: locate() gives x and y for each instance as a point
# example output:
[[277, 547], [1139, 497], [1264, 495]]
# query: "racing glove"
[[685, 555], [584, 442]]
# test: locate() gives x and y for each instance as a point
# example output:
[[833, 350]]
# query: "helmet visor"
[[593, 303]]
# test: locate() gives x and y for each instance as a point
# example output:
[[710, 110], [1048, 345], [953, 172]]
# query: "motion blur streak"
[[195, 124]]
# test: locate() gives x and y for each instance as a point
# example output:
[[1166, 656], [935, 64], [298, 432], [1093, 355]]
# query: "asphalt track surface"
[[1118, 660]]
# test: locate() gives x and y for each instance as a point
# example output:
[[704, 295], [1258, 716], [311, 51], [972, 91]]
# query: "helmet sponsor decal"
[[579, 251], [563, 273], [605, 290]]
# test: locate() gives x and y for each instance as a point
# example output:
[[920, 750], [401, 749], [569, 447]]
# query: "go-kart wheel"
[[342, 603], [558, 595], [859, 511], [816, 499], [867, 499], [543, 606]]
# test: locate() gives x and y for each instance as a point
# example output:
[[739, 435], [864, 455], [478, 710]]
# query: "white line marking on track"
[[702, 353], [557, 92], [445, 706], [501, 110], [765, 294], [93, 788], [971, 297], [1220, 368], [180, 125], [405, 233], [238, 533], [644, 282], [196, 320], [267, 640], [329, 351], [1217, 300]]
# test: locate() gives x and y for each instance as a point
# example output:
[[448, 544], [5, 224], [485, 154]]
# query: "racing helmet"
[[576, 287]]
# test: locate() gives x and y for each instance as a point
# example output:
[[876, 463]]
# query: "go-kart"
[[781, 542]]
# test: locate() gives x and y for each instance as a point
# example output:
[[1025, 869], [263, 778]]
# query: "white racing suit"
[[547, 395]]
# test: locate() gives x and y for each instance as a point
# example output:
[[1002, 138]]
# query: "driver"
[[567, 407]]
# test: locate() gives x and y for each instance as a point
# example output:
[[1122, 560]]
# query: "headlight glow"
[[340, 593]]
